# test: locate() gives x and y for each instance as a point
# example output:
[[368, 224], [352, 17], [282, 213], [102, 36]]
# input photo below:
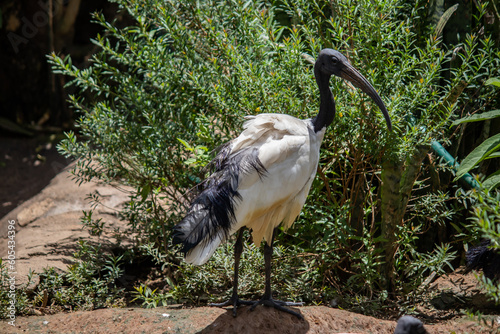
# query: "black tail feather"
[[486, 258], [212, 211]]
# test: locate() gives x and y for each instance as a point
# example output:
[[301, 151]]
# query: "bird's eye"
[[334, 60]]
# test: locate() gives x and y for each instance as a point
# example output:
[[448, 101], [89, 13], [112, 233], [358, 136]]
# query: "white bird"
[[261, 179]]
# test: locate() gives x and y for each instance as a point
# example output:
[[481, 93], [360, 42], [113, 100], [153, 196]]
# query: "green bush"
[[160, 95], [92, 282]]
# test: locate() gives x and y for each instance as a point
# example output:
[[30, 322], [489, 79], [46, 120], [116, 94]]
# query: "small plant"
[[486, 215], [16, 298], [91, 283], [95, 227], [152, 298]]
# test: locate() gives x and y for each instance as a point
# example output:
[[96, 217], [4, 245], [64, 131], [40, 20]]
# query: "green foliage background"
[[162, 94]]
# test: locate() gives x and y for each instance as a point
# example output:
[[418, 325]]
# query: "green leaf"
[[493, 81], [444, 19], [480, 153], [493, 181], [494, 155], [478, 117], [186, 145], [456, 227], [145, 192], [190, 161]]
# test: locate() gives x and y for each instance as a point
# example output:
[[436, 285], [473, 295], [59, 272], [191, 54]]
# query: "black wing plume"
[[212, 211], [486, 258]]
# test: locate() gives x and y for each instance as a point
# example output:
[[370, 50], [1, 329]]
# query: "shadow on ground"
[[261, 320]]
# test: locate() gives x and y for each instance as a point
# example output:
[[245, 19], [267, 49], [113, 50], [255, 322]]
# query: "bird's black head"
[[331, 62]]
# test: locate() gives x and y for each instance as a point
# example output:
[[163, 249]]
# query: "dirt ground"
[[39, 194], [26, 166], [318, 320]]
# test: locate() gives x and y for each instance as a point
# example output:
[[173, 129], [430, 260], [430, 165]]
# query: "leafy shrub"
[[91, 283], [163, 93]]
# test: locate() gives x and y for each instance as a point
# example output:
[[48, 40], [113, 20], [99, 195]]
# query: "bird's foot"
[[235, 302], [279, 305]]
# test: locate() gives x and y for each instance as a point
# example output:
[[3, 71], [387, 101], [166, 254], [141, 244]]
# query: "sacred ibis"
[[261, 179]]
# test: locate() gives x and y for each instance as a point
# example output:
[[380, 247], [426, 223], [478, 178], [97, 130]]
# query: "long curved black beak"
[[351, 74]]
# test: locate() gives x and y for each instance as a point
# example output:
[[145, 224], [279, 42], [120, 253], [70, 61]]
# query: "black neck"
[[327, 103]]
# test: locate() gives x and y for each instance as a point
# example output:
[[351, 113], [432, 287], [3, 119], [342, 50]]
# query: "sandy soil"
[[215, 320], [26, 166], [48, 225]]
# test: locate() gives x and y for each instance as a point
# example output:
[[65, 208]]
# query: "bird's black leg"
[[267, 299], [234, 300]]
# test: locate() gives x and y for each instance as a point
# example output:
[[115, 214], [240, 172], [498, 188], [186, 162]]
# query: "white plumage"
[[288, 148], [289, 151]]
